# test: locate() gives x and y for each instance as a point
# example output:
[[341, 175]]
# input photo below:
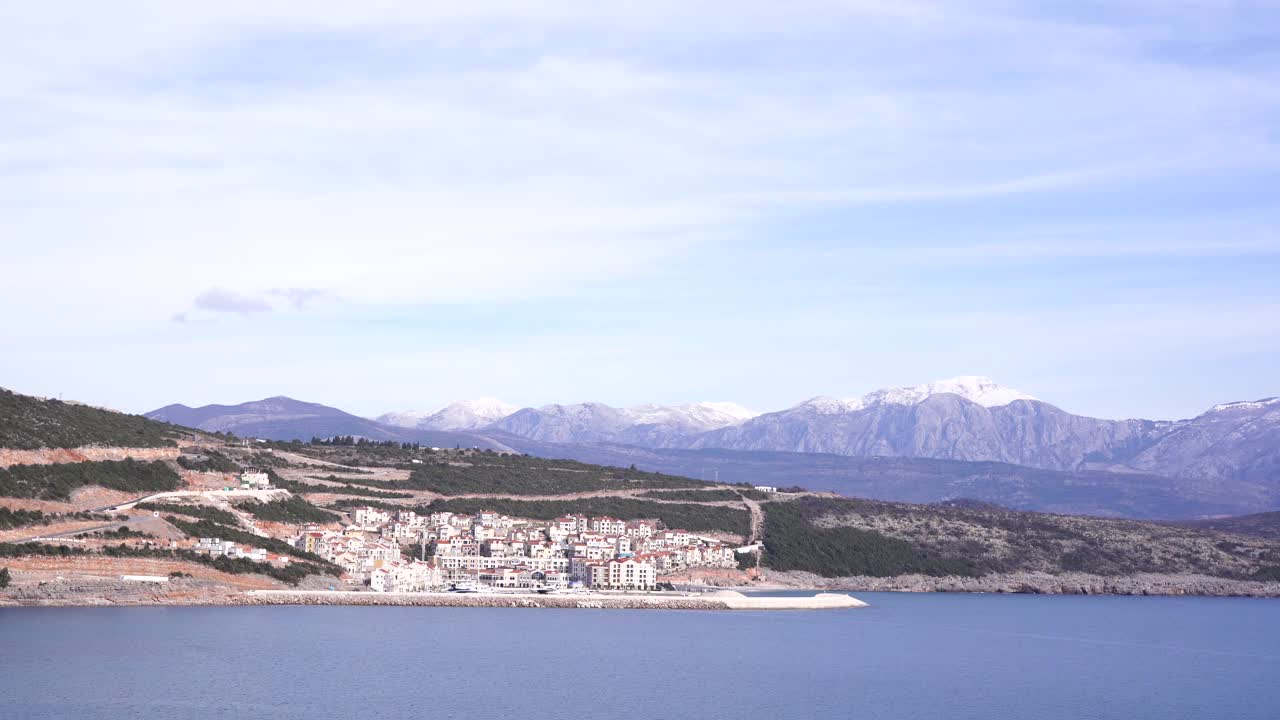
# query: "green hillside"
[[843, 537], [57, 482], [28, 423]]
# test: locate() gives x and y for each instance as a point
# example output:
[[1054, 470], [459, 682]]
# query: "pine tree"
[[4, 577]]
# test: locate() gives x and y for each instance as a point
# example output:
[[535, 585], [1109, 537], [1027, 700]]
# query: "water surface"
[[908, 656]]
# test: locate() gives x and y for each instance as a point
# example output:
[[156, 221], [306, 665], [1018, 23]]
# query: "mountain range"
[[1225, 460], [283, 418]]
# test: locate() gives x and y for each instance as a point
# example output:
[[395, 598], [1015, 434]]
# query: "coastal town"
[[403, 551], [490, 550]]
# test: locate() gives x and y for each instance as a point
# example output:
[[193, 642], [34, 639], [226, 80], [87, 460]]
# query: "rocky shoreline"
[[1039, 584]]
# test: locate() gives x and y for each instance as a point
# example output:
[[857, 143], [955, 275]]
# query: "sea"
[[907, 656]]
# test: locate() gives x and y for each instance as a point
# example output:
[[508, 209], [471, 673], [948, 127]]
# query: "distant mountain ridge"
[[1224, 460], [923, 480], [966, 419], [283, 418]]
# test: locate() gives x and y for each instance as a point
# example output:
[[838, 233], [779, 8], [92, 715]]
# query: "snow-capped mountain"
[[975, 388], [1229, 455], [693, 416], [967, 418], [1236, 440], [964, 418], [458, 415], [648, 425]]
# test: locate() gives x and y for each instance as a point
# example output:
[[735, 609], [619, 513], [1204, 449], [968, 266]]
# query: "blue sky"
[[396, 205]]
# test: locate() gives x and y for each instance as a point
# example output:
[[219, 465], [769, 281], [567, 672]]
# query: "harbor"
[[718, 600]]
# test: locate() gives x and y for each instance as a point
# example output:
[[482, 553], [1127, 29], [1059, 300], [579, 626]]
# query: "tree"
[[5, 578]]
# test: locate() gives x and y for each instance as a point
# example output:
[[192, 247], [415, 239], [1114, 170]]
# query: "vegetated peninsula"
[[100, 507]]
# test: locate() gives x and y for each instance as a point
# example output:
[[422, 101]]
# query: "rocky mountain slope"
[[1233, 441], [967, 419], [943, 426]]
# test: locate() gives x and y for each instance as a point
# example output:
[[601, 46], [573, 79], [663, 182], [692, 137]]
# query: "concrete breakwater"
[[723, 600]]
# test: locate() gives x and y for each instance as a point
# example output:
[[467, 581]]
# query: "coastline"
[[99, 591], [721, 600], [1036, 584]]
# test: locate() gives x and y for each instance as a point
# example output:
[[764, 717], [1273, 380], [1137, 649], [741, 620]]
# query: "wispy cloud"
[[751, 158], [222, 300], [301, 297], [219, 300]]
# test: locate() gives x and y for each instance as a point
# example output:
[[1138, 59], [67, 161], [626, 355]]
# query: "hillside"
[[58, 481], [924, 480], [1266, 525], [814, 538], [837, 537], [964, 437], [30, 423], [808, 538]]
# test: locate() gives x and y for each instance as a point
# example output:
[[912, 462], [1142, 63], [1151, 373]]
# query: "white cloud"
[[266, 159], [221, 300]]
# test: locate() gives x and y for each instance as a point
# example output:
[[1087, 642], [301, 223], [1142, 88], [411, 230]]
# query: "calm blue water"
[[909, 656]]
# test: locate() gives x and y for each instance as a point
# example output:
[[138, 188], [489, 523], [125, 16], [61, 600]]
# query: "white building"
[[630, 574], [608, 526], [368, 517]]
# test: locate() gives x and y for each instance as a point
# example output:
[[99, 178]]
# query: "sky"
[[391, 205]]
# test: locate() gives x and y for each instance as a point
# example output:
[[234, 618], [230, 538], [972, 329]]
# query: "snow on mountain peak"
[[1246, 404], [703, 415], [731, 409], [826, 405], [457, 415], [491, 408], [406, 419], [974, 388]]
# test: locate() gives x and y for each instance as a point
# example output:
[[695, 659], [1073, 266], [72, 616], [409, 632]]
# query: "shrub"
[[294, 509], [201, 512], [209, 461], [793, 542], [29, 423], [56, 482], [206, 528]]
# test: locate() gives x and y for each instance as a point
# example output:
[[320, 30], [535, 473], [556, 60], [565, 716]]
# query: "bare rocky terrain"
[[1037, 584]]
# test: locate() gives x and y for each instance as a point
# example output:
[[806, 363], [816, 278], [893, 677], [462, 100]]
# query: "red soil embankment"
[[54, 456]]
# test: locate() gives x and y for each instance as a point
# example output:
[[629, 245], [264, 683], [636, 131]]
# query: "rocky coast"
[[1039, 584]]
